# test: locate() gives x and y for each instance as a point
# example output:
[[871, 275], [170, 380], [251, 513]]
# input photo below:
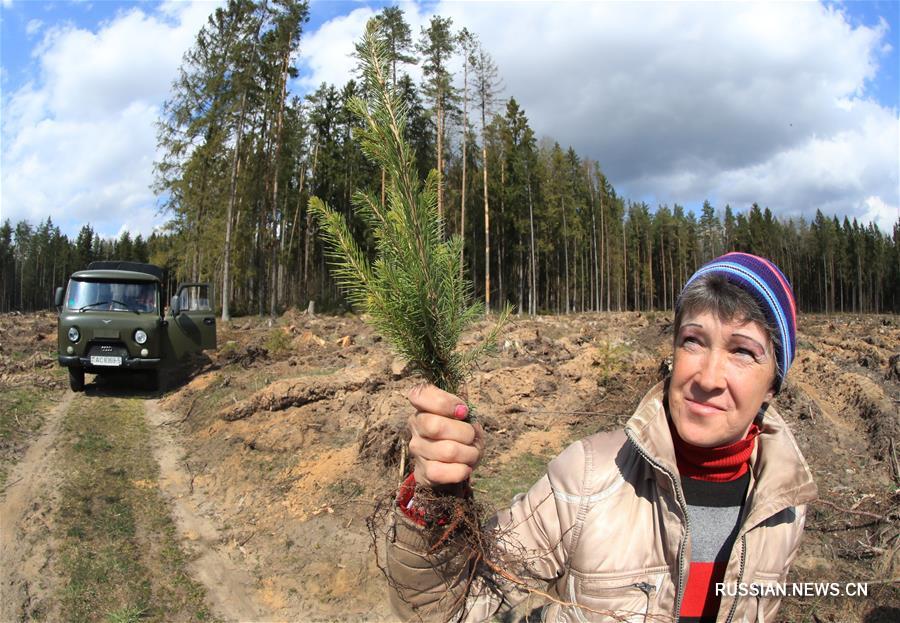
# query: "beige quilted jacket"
[[607, 534]]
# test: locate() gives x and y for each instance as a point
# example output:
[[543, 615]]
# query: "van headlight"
[[74, 335], [140, 336]]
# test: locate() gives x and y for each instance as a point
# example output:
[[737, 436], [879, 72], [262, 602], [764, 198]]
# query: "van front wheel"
[[76, 379]]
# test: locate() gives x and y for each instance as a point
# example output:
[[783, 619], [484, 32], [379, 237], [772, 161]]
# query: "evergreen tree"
[[486, 88], [467, 46], [7, 267], [396, 34], [709, 225], [412, 290], [436, 45]]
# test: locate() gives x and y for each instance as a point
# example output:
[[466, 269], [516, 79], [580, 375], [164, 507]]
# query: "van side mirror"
[[175, 306], [58, 297]]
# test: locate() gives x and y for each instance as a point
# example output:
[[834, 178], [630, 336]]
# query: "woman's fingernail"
[[461, 412]]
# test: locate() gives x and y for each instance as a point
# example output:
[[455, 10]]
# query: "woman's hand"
[[445, 449]]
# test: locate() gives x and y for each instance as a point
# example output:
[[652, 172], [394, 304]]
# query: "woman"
[[700, 497]]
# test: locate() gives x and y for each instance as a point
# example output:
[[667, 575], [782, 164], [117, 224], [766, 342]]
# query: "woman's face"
[[722, 373]]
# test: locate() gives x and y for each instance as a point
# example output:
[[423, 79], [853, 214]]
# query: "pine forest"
[[544, 229]]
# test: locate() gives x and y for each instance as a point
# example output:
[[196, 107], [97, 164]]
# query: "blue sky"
[[886, 85], [23, 20], [792, 105]]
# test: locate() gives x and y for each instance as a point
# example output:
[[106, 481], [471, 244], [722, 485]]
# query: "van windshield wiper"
[[95, 303], [126, 306]]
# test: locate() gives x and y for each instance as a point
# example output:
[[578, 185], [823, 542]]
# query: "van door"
[[193, 329]]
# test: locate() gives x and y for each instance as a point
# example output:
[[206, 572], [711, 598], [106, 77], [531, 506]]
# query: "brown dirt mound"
[[297, 392]]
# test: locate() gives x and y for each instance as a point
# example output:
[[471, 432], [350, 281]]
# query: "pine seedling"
[[413, 293]]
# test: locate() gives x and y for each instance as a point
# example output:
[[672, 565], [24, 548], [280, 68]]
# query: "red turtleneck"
[[720, 464]]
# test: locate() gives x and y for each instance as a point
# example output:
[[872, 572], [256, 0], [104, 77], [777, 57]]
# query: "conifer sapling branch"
[[413, 291]]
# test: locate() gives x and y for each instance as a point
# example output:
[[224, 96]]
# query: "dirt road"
[[35, 554]]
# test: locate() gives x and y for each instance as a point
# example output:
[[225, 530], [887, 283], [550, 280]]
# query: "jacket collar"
[[780, 475], [649, 429]]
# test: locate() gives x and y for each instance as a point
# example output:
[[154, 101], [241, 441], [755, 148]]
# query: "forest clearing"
[[241, 491]]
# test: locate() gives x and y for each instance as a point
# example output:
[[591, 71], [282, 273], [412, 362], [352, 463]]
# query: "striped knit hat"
[[761, 279]]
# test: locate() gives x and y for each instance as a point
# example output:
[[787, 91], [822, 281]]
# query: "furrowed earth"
[[241, 491]]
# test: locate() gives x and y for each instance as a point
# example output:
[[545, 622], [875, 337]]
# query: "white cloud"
[[79, 141], [33, 26], [687, 101], [835, 173], [326, 53], [875, 210], [90, 75], [738, 102]]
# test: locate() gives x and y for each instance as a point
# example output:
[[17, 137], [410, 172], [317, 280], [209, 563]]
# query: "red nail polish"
[[461, 412]]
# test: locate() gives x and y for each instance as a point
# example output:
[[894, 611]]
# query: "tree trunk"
[[624, 265], [605, 251], [235, 166], [487, 218], [636, 278], [662, 262], [585, 272], [520, 268], [566, 252], [576, 282], [281, 255], [842, 294], [300, 184], [440, 156], [832, 283], [501, 294], [558, 287], [671, 278], [533, 298], [595, 277], [462, 189], [276, 225], [308, 233], [650, 304]]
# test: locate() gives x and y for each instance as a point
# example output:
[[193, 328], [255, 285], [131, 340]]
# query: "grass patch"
[[22, 412], [125, 615], [326, 371], [344, 489], [500, 484], [278, 341], [119, 553], [227, 348], [611, 359]]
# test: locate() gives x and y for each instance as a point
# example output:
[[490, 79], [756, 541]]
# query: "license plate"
[[105, 361]]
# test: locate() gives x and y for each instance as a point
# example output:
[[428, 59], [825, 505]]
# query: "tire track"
[[27, 511], [220, 568]]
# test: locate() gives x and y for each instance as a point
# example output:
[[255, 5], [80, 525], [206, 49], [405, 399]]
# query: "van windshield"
[[112, 296]]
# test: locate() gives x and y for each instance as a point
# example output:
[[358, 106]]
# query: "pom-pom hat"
[[770, 288]]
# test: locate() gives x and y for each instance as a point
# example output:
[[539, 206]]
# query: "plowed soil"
[[274, 449]]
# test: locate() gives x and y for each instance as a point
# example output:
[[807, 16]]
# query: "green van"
[[111, 318]]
